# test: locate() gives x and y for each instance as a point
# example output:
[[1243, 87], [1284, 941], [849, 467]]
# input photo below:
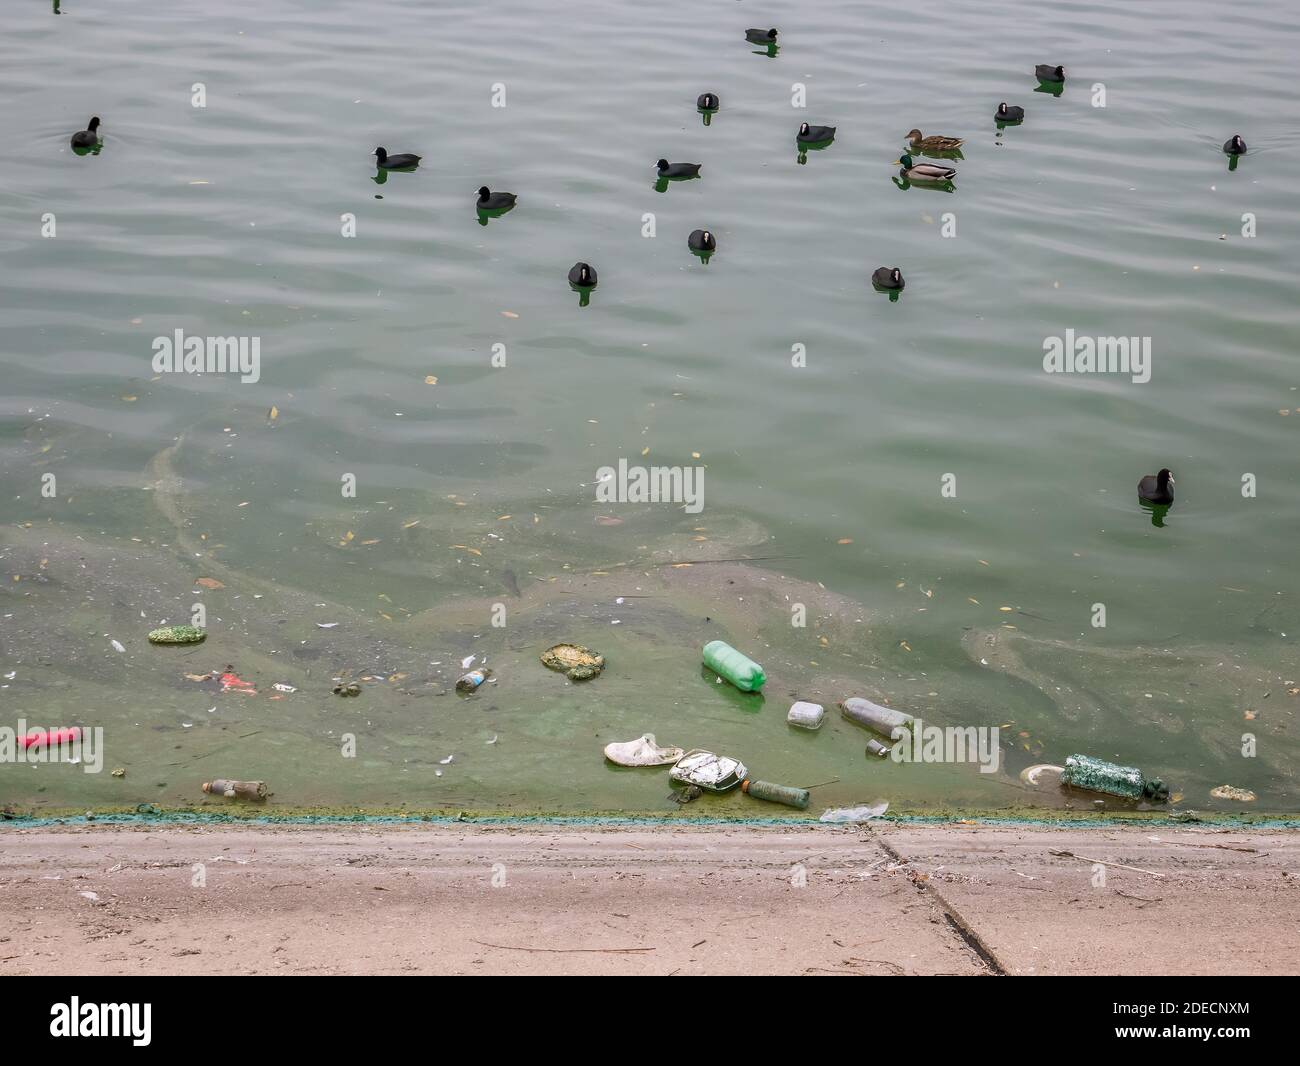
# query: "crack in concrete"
[[958, 924]]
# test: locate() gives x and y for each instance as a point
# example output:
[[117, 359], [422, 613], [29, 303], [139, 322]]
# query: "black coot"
[[815, 134], [701, 240], [1157, 488], [678, 170], [396, 162], [88, 138], [495, 201], [583, 275]]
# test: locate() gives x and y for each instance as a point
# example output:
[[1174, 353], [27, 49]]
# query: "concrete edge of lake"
[[958, 898]]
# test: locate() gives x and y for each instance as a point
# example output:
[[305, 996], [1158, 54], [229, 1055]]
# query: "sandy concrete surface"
[[953, 899]]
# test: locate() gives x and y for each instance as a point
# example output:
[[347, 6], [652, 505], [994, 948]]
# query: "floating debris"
[[232, 682], [1126, 782], [766, 790], [644, 751], [471, 681], [855, 814], [574, 661], [177, 635], [246, 790], [717, 773], [1228, 792], [806, 715], [739, 669]]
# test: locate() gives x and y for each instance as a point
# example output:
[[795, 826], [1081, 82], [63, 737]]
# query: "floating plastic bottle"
[[739, 669], [874, 747], [247, 790], [1126, 782], [787, 794], [806, 715], [884, 720]]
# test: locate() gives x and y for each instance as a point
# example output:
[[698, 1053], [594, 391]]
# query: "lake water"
[[381, 352]]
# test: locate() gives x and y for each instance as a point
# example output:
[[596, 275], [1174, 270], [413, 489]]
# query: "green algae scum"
[[176, 635], [279, 572]]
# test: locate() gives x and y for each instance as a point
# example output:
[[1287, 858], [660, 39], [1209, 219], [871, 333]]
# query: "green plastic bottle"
[[739, 669]]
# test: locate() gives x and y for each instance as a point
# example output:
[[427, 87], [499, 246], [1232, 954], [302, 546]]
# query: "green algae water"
[[422, 468]]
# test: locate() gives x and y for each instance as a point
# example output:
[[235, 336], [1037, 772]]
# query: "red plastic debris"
[[37, 737], [232, 682]]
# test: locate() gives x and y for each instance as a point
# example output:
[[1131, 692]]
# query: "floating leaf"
[[209, 583]]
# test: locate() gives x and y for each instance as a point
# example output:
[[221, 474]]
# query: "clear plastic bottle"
[[884, 720]]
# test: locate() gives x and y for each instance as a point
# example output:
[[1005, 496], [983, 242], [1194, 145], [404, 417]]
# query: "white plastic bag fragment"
[[856, 814], [643, 751]]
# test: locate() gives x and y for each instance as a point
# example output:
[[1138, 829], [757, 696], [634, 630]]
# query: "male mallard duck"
[[933, 144], [1047, 72], [924, 171]]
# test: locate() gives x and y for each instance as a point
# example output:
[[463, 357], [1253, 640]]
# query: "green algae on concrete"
[[177, 635], [148, 814]]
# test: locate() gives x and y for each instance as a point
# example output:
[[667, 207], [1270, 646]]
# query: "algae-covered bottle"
[[1127, 782], [739, 669], [766, 790], [248, 790]]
